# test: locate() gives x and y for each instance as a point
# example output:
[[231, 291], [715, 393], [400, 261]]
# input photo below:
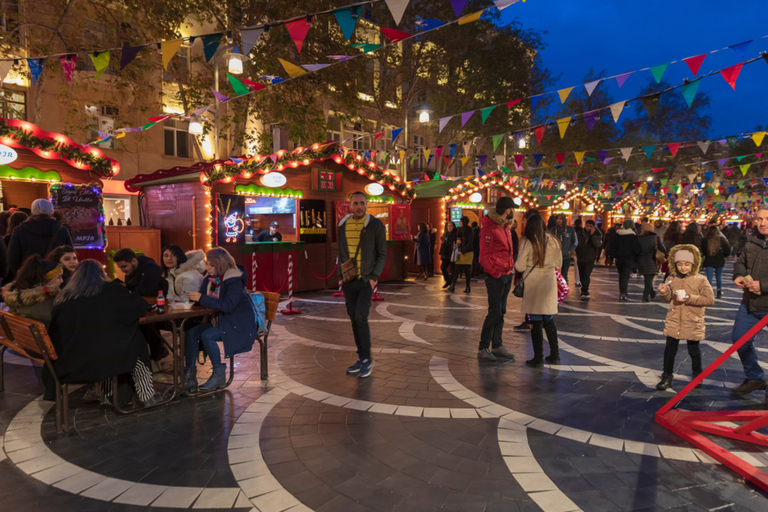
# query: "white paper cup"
[[680, 294]]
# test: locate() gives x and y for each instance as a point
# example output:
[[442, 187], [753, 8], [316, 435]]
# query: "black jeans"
[[447, 268], [671, 350], [648, 290], [624, 266], [358, 295], [585, 272], [566, 267], [458, 269], [498, 291]]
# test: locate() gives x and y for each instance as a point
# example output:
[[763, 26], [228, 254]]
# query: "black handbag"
[[519, 289]]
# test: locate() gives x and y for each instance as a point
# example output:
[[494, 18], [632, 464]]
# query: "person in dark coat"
[[39, 234], [14, 221], [625, 250], [432, 246], [715, 249], [421, 255], [568, 242], [95, 331], [223, 289], [692, 234], [447, 242], [590, 243], [477, 269], [610, 242], [466, 241], [515, 240], [649, 243]]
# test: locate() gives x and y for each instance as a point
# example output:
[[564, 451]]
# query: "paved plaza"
[[431, 429]]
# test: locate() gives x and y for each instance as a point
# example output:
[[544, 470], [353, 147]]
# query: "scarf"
[[214, 286]]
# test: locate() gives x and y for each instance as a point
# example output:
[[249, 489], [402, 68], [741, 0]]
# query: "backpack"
[[259, 306]]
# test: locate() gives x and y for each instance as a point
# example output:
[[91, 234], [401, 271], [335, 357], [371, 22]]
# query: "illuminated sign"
[[565, 205], [7, 155], [234, 227], [476, 197], [274, 180], [374, 189], [518, 201]]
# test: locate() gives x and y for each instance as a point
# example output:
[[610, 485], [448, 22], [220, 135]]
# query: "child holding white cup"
[[689, 293]]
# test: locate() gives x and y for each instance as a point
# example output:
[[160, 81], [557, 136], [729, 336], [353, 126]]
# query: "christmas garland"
[[21, 134], [255, 190]]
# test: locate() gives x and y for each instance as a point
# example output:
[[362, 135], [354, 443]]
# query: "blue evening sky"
[[625, 35]]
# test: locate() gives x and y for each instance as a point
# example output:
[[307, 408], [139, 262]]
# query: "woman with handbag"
[[448, 251], [540, 255], [466, 255]]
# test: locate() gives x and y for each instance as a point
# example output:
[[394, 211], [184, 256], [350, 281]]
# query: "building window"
[[14, 105], [334, 129], [9, 22], [176, 138], [101, 119]]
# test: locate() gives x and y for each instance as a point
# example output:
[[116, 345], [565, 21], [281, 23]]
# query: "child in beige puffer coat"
[[688, 293]]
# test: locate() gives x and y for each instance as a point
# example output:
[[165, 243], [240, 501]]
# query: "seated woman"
[[95, 331], [224, 289], [184, 272], [66, 255], [31, 294]]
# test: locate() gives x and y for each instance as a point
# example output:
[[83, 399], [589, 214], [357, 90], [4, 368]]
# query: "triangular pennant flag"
[[452, 149], [703, 146], [616, 109], [742, 157], [429, 24], [402, 156], [458, 6], [35, 68], [469, 18], [200, 111], [5, 67], [443, 122], [648, 150], [347, 19], [512, 103], [157, 119], [658, 72], [68, 65], [757, 137], [708, 175], [519, 160], [298, 30], [537, 158], [480, 142], [695, 63], [620, 79], [219, 97], [395, 134], [438, 151], [379, 135], [249, 39], [128, 54], [237, 85], [731, 141], [741, 48], [560, 157], [579, 155], [590, 118], [590, 87], [210, 45], [426, 152], [292, 69], [500, 160], [602, 154], [414, 157], [479, 172], [465, 117], [503, 4], [466, 145], [394, 35], [167, 50], [340, 58], [505, 169], [314, 67], [447, 161], [564, 93], [721, 161], [397, 8], [730, 74], [464, 160], [497, 140], [744, 168], [651, 103], [673, 147], [657, 169], [100, 62], [486, 112], [253, 85], [481, 159], [689, 91], [562, 125], [539, 133], [535, 100]]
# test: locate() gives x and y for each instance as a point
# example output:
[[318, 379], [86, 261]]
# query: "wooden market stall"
[[577, 203], [627, 208], [38, 164], [305, 191]]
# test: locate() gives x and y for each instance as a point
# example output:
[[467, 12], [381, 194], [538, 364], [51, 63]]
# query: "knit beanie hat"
[[684, 255], [504, 204]]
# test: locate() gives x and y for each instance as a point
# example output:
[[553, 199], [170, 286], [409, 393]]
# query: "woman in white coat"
[[182, 271], [539, 256]]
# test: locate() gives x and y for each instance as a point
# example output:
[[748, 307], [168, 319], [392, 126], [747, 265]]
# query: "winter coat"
[[716, 260], [39, 234], [646, 259], [467, 236], [626, 246], [540, 297], [447, 241], [610, 241], [496, 250], [236, 317], [146, 279], [588, 245], [187, 277], [685, 320], [753, 261], [422, 255], [733, 234], [568, 240], [691, 238], [373, 252], [3, 261], [98, 337], [515, 243], [35, 303]]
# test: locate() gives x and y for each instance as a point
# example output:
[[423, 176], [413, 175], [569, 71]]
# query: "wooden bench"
[[30, 339]]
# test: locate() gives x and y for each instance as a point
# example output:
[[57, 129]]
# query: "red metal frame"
[[688, 424]]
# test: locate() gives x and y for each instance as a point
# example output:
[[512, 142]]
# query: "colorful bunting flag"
[[537, 158], [347, 19], [535, 100], [564, 93], [68, 65], [673, 147], [658, 72], [590, 118], [249, 38], [298, 29], [465, 117], [469, 18], [482, 159], [292, 69], [651, 103], [694, 63], [443, 122], [128, 54], [452, 150], [497, 140], [648, 150], [314, 67], [168, 50], [464, 160], [253, 85], [616, 110], [394, 35], [480, 142], [731, 74], [744, 168], [757, 137], [237, 85], [397, 8], [35, 69], [466, 145], [741, 48], [689, 91], [512, 103], [211, 43], [458, 6], [486, 112], [579, 155], [539, 133], [731, 141], [395, 134], [620, 79], [603, 153], [703, 146], [590, 87], [500, 160], [219, 97], [560, 157], [562, 125]]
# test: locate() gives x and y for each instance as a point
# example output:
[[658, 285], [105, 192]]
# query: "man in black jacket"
[[590, 242], [40, 234], [567, 236], [625, 250]]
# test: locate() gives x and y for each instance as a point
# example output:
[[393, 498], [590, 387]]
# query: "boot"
[[537, 340], [554, 351], [466, 290], [190, 379], [719, 294], [697, 386], [665, 382], [217, 380]]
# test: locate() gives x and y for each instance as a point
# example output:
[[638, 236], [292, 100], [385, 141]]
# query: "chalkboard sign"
[[82, 209]]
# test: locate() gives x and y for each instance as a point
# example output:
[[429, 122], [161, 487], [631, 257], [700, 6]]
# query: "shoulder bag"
[[519, 289], [349, 272]]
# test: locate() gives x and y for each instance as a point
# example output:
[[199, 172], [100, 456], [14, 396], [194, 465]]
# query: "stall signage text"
[[274, 180], [374, 189], [7, 155]]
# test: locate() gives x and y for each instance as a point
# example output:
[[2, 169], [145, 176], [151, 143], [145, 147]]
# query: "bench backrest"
[[26, 336]]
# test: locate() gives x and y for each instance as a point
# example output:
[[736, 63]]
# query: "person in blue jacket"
[[223, 288]]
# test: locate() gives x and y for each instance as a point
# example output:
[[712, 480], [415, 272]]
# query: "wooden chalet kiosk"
[[627, 208], [305, 191], [577, 203]]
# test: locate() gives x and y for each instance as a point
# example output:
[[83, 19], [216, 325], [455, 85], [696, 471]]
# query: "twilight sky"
[[626, 35]]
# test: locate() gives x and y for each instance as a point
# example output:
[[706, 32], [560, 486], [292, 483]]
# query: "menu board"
[[313, 222], [400, 217], [325, 179], [82, 209]]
